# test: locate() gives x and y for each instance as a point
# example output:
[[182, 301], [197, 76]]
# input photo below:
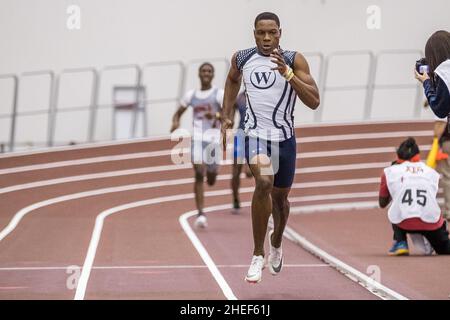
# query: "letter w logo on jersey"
[[262, 77]]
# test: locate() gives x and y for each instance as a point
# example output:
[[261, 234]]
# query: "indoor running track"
[[114, 221]]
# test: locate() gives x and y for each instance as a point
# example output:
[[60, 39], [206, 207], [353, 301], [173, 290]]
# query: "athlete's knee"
[[264, 184], [199, 176], [211, 178]]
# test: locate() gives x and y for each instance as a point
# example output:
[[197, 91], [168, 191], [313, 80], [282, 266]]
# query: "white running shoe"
[[275, 260], [254, 273], [201, 221]]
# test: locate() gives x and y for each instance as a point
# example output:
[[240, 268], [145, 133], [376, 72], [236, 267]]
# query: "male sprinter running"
[[206, 105], [273, 78]]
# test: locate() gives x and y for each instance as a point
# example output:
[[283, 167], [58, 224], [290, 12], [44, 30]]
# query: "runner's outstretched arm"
[[176, 118]]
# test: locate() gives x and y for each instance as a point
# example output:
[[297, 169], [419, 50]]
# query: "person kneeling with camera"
[[433, 72]]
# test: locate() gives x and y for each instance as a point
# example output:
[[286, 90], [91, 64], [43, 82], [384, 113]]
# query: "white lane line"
[[93, 244], [133, 156], [335, 196], [99, 220], [77, 162], [84, 146], [332, 183], [364, 123], [92, 145], [315, 208], [120, 173], [167, 152], [312, 265], [343, 167], [132, 171], [85, 177], [375, 135], [90, 256], [33, 209], [64, 268], [204, 253], [347, 152], [342, 206], [110, 174], [32, 268], [366, 282], [26, 210]]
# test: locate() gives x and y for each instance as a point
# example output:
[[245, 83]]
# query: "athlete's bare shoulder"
[[300, 62]]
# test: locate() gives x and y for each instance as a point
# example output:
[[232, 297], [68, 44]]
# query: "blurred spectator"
[[436, 81]]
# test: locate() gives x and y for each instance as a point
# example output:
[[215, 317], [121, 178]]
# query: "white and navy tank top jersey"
[[270, 98], [202, 102]]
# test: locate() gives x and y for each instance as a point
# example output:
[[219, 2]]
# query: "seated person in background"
[[412, 186]]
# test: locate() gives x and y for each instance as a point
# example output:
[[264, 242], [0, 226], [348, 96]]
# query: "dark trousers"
[[437, 238]]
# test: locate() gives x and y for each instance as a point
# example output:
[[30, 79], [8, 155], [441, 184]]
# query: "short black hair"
[[206, 64], [267, 16], [408, 149]]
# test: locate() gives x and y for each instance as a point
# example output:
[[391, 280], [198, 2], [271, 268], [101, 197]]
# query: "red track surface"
[[144, 253]]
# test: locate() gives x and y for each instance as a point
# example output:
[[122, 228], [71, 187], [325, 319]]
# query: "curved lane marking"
[[368, 283], [365, 281], [167, 152]]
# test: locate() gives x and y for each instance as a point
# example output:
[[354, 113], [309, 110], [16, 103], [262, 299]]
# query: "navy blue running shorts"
[[285, 152]]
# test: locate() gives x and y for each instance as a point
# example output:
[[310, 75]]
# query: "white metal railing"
[[90, 107], [12, 114], [416, 85], [49, 110], [140, 70]]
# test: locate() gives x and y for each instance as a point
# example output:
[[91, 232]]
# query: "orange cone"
[[441, 155]]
